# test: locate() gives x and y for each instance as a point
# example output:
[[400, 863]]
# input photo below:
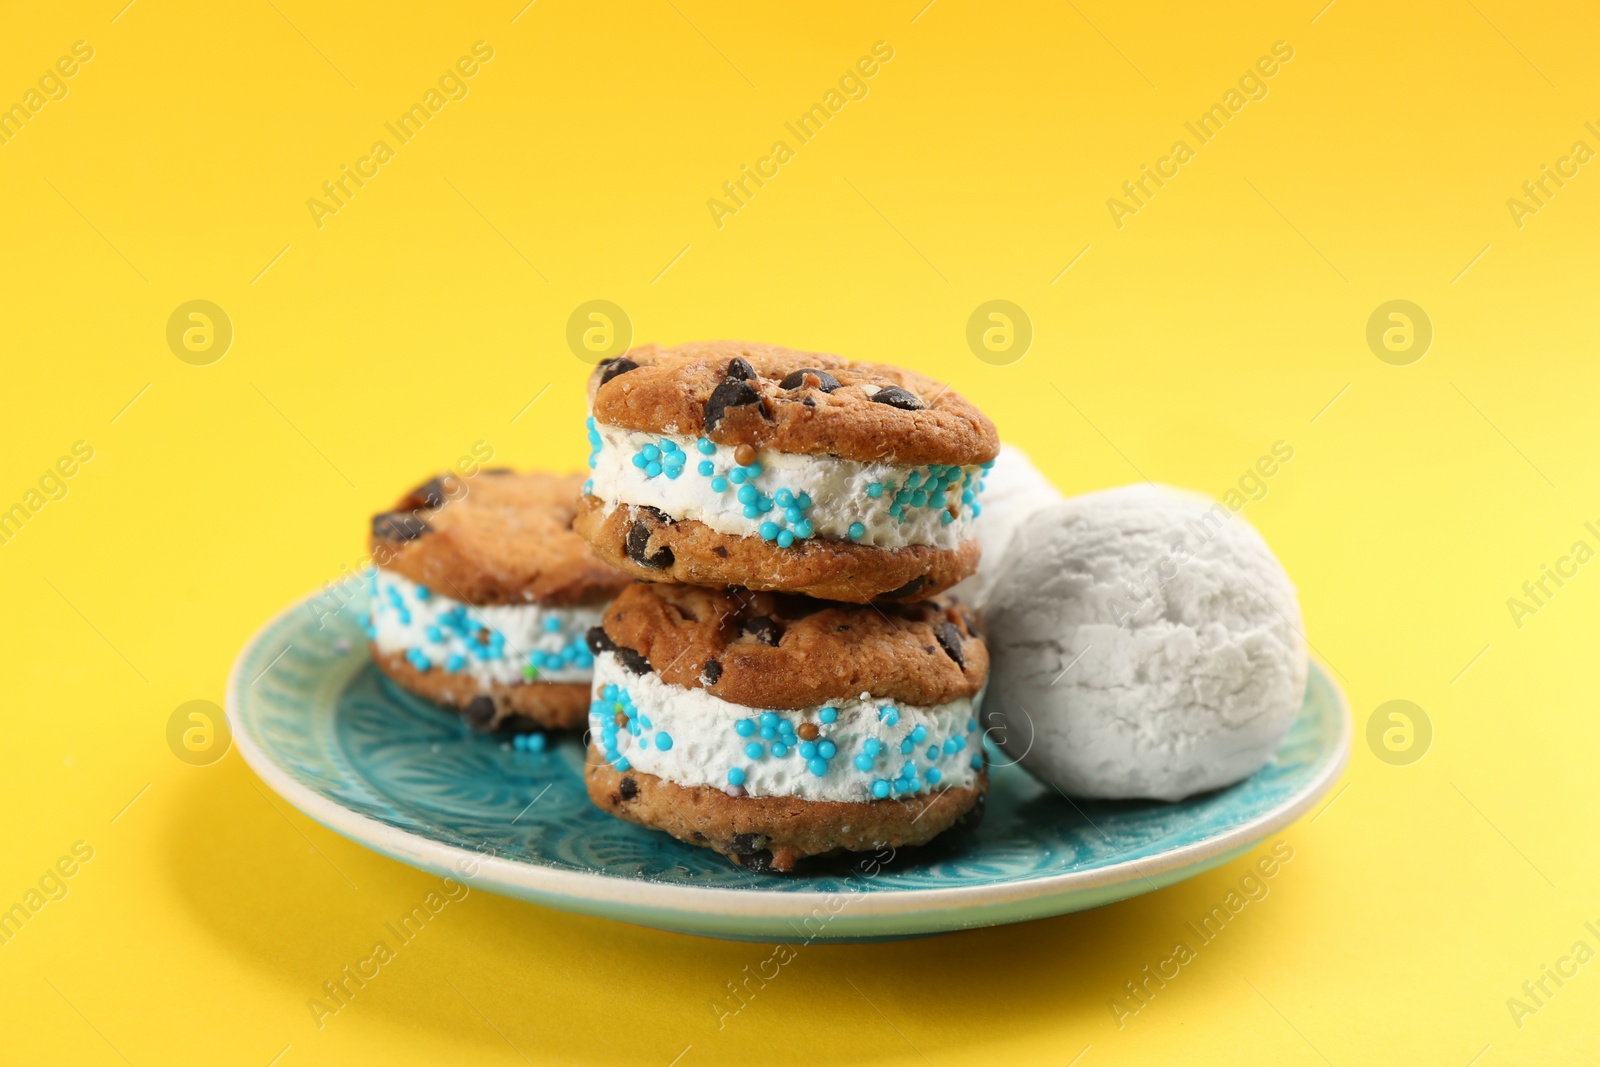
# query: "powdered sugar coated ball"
[[1145, 643]]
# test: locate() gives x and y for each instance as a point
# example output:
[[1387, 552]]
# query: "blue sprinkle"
[[736, 476], [900, 785], [826, 749], [552, 625], [857, 531], [785, 727], [719, 484], [819, 767], [780, 749], [977, 509], [423, 593], [808, 749], [909, 770], [804, 500], [880, 788], [752, 511], [913, 480], [863, 762], [621, 763], [706, 447], [783, 497], [769, 718], [769, 530], [650, 452], [933, 752], [744, 727], [706, 467], [669, 446], [663, 741], [951, 746], [434, 634], [768, 733], [793, 513], [674, 472], [872, 746], [753, 471], [919, 498], [905, 747], [455, 662], [609, 692], [913, 784], [919, 734], [754, 750], [977, 761], [803, 528], [652, 469], [987, 466], [735, 774], [829, 714], [748, 495], [639, 460], [934, 776], [785, 539]]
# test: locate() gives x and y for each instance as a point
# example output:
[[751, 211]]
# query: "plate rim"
[[700, 902]]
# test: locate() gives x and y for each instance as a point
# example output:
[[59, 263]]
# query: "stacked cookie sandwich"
[[787, 683]]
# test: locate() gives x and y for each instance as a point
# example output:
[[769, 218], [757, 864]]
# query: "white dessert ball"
[[1013, 490], [1144, 643]]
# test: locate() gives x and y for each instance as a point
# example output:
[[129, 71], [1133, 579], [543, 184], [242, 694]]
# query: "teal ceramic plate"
[[323, 727]]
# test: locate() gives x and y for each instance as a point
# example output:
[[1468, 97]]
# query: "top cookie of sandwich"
[[495, 538], [775, 650], [736, 393]]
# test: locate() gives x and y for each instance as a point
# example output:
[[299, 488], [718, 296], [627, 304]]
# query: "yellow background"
[[1223, 317]]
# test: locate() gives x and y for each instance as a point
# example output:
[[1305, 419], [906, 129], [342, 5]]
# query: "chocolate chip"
[[400, 526], [843, 628], [479, 713], [740, 368], [897, 397], [808, 402], [950, 639], [431, 493], [639, 549], [697, 835], [732, 393], [908, 589], [711, 674], [598, 642], [633, 661], [628, 789], [763, 629], [794, 381], [749, 844], [721, 553], [614, 367]]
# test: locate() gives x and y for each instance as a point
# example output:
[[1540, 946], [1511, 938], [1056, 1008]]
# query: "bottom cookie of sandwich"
[[516, 708], [774, 833]]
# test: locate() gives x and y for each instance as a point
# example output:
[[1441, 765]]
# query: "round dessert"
[[482, 595], [773, 727], [1147, 644], [723, 463]]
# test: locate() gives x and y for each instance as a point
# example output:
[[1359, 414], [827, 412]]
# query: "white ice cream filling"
[[495, 643], [785, 497], [864, 748]]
